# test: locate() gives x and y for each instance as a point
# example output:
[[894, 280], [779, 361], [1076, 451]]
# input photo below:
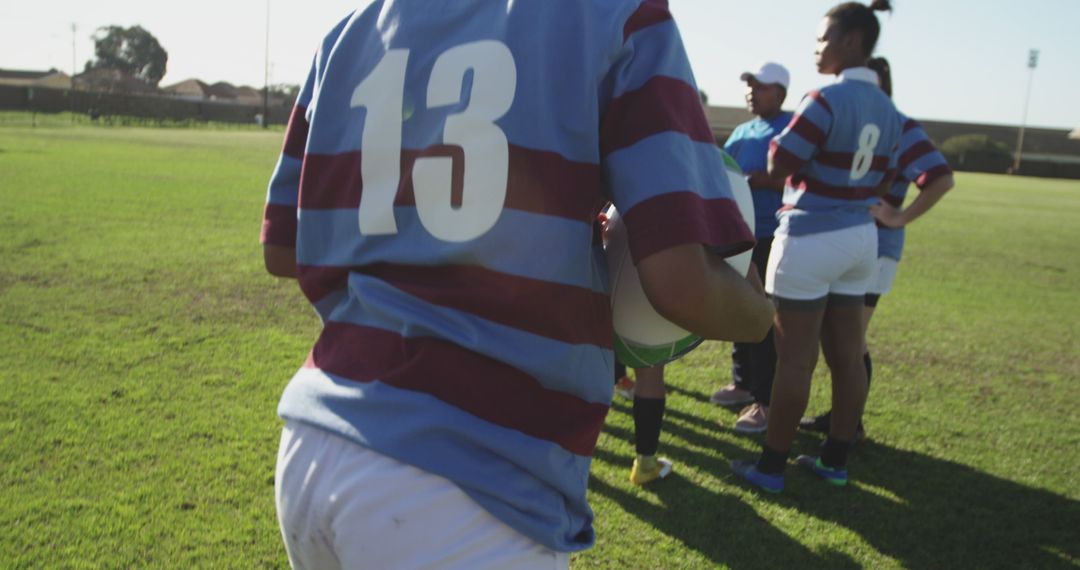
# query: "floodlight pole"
[[266, 73], [74, 88], [1033, 62]]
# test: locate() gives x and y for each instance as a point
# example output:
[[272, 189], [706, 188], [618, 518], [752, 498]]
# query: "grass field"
[[144, 349]]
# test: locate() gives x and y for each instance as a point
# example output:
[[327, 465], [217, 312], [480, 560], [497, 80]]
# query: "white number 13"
[[473, 129]]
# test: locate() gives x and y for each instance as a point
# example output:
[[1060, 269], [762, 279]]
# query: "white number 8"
[[864, 158], [483, 144]]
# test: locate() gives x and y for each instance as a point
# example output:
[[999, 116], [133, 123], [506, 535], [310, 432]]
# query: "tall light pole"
[[1033, 62], [74, 36], [266, 73]]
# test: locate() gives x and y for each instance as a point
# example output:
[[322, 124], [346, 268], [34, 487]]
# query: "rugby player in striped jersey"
[[920, 163], [838, 155], [436, 199]]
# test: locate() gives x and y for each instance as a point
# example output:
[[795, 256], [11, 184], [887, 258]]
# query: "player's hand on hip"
[[888, 215]]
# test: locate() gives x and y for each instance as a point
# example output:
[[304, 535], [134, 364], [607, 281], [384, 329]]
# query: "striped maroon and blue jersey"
[[841, 144], [440, 181], [919, 162]]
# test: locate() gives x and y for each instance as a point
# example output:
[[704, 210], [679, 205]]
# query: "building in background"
[[105, 80], [53, 78], [223, 92]]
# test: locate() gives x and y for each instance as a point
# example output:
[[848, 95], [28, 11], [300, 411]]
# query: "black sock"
[[772, 462], [869, 364], [648, 420], [834, 453]]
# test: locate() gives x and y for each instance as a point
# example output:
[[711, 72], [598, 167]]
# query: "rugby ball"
[[643, 338]]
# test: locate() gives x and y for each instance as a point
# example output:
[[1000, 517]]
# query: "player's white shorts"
[[884, 276], [812, 267], [342, 505]]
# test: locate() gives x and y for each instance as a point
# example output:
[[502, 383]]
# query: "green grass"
[[144, 351]]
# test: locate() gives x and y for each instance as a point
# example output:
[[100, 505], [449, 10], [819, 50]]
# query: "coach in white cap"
[[769, 74], [753, 364]]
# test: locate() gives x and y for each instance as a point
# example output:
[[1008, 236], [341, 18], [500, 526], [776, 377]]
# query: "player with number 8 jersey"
[[838, 155], [436, 198]]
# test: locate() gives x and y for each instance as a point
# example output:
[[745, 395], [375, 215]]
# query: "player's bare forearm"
[[778, 172], [928, 197], [701, 293], [760, 180], [280, 261]]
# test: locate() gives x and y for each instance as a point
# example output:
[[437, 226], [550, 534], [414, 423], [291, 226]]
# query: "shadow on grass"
[[715, 525], [921, 511]]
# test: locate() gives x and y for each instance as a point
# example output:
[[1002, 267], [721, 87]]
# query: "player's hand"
[[888, 215]]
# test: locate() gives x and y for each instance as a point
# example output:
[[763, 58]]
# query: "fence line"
[[149, 107]]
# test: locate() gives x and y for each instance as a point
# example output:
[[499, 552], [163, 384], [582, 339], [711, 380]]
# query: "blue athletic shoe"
[[748, 471], [836, 477]]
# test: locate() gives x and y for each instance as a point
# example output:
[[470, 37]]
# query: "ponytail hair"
[[855, 16], [880, 65]]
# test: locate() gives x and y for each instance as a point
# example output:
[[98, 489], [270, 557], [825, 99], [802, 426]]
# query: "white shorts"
[[812, 267], [884, 276], [342, 505]]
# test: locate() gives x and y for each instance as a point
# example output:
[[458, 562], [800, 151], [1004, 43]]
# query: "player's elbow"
[[945, 183], [280, 261], [755, 322]]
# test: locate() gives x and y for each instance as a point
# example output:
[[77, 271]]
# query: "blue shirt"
[[749, 146], [841, 145], [440, 181]]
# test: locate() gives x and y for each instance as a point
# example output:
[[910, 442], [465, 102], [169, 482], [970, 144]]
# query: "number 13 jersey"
[[440, 180]]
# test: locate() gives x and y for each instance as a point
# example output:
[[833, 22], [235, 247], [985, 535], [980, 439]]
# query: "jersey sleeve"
[[919, 160], [660, 163], [279, 215], [804, 135]]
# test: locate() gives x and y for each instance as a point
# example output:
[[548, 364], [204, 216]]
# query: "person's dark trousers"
[[753, 364]]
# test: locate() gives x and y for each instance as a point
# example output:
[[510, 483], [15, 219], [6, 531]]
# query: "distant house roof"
[[189, 88], [222, 90], [23, 74], [112, 81], [249, 95], [24, 78]]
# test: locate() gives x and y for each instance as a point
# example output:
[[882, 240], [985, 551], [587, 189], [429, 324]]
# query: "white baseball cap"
[[769, 74]]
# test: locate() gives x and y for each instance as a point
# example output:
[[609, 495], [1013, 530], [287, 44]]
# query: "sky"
[[956, 60]]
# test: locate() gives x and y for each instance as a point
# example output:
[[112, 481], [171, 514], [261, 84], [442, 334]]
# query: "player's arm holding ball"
[[701, 293], [664, 174]]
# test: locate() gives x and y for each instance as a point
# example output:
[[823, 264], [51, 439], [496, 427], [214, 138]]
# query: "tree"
[[131, 50], [287, 91], [977, 152]]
